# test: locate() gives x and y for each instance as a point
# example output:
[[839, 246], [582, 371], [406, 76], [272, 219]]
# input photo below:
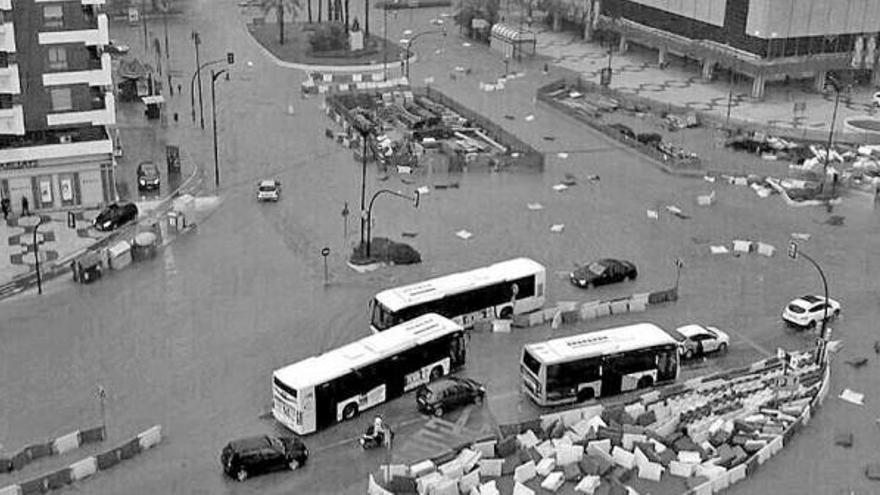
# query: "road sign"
[[792, 250]]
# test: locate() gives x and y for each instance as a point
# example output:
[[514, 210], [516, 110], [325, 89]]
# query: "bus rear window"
[[531, 363], [290, 391]]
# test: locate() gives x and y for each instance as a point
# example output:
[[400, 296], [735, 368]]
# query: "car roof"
[[268, 182], [810, 298], [691, 330], [447, 382], [250, 443]]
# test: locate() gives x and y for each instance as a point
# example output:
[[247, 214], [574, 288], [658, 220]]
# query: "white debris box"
[[545, 448], [689, 456], [553, 481], [422, 468], [525, 472], [489, 488], [468, 459], [520, 489], [491, 467], [742, 246], [452, 470], [603, 446], [427, 482], [120, 255], [640, 457], [486, 449], [623, 457], [706, 199], [581, 428], [546, 466], [66, 443], [469, 481], [527, 440], [588, 484], [766, 249], [650, 471], [568, 454], [682, 469], [561, 442]]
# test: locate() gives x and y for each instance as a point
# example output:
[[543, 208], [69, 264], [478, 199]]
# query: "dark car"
[[148, 176], [115, 215], [623, 130], [114, 48], [262, 454], [604, 271], [446, 394]]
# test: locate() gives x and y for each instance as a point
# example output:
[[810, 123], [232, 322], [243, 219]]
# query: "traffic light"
[[230, 58]]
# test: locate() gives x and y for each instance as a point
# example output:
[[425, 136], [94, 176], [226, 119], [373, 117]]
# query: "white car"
[[807, 311], [700, 340], [269, 190]]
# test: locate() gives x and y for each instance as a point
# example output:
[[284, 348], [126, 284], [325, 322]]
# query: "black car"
[[115, 215], [448, 393], [604, 271], [262, 454], [148, 176], [623, 130]]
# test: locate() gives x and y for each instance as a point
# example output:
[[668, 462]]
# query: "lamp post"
[[409, 42], [678, 266], [414, 199], [197, 40], [144, 23], [363, 127], [37, 256], [385, 42], [198, 75], [793, 253], [214, 76], [836, 86], [164, 6]]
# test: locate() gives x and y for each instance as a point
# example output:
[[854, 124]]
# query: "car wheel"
[[645, 382], [836, 313], [506, 313], [241, 475], [688, 354], [478, 400], [349, 412], [438, 411], [722, 348], [585, 394], [812, 325], [294, 465]]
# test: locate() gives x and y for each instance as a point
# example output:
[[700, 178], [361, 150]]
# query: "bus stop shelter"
[[512, 42]]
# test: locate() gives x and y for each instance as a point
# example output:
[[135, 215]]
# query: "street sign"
[[792, 250]]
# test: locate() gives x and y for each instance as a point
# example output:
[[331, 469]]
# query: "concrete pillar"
[[708, 69], [758, 86], [661, 57], [875, 75], [819, 80], [624, 45]]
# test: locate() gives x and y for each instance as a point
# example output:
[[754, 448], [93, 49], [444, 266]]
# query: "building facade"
[[763, 39], [56, 101]]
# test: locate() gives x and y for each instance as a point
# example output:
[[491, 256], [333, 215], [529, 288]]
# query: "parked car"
[[448, 393], [625, 131], [700, 340], [807, 311], [604, 271], [115, 215], [114, 48], [246, 457], [148, 176], [268, 190]]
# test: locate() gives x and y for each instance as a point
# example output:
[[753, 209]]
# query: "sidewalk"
[[636, 72]]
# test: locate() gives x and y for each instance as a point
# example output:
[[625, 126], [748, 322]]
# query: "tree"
[[477, 9], [281, 7]]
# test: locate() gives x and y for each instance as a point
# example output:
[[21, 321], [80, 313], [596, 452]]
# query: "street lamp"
[[414, 199], [214, 76], [364, 127], [37, 256], [832, 81], [409, 42], [197, 40], [678, 266], [164, 6], [793, 253], [385, 42]]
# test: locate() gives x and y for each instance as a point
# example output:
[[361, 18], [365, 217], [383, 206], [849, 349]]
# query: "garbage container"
[[144, 247], [120, 255], [87, 268]]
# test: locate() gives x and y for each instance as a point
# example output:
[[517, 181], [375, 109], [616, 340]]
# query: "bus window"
[[531, 363]]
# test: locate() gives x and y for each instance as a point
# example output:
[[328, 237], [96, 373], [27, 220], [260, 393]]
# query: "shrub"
[[385, 250], [329, 37]]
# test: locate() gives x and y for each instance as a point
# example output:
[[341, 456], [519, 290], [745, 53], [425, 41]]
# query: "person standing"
[[25, 211], [4, 205]]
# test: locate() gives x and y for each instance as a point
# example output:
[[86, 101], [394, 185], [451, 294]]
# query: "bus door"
[[325, 405], [611, 376]]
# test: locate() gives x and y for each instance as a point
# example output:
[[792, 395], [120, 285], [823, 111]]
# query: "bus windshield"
[[531, 363], [382, 318]]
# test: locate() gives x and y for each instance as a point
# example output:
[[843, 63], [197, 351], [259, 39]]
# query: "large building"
[[56, 102], [763, 39]]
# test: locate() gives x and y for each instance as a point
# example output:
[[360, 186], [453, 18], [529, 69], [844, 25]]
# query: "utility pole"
[[214, 76], [37, 256], [144, 22], [198, 41], [165, 8]]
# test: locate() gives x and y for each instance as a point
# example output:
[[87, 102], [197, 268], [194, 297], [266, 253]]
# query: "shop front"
[[50, 182]]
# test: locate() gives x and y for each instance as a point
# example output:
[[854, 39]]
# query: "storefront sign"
[[18, 165], [66, 190]]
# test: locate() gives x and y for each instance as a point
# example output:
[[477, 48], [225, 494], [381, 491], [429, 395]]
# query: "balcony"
[[103, 116], [7, 37], [12, 120], [9, 80], [91, 37], [100, 76]]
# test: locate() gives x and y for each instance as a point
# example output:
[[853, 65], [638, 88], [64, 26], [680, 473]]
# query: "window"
[[57, 58], [531, 363], [61, 99], [53, 16]]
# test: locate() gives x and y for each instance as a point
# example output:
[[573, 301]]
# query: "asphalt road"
[[189, 339]]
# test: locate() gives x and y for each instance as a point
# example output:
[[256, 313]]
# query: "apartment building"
[[56, 101]]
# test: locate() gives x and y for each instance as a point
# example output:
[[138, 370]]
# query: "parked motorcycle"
[[370, 441]]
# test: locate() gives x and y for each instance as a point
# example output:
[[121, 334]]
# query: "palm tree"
[[281, 7]]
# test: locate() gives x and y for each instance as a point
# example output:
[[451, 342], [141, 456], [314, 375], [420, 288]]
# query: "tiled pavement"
[[637, 72]]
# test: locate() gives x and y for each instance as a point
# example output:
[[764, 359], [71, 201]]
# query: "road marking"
[[758, 347], [462, 420], [349, 440]]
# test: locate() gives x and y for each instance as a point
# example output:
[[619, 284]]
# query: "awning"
[[153, 100], [511, 34]]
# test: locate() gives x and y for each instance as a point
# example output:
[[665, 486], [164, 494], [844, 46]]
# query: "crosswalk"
[[438, 436]]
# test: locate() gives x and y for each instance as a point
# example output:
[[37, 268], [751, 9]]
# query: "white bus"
[[496, 291], [598, 364], [337, 385]]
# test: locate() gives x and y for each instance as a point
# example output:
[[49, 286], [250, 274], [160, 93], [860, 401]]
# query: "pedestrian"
[[4, 205], [25, 211]]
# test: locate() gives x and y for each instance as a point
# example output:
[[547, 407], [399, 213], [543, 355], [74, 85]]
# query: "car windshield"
[[276, 443], [596, 268], [794, 308], [267, 188], [149, 171]]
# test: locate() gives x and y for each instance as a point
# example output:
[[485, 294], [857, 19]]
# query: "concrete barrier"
[[10, 490], [66, 443], [107, 460], [150, 437], [59, 479], [83, 469]]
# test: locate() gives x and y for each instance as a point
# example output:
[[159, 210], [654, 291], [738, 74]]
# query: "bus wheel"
[[436, 373], [585, 394], [645, 382], [506, 313], [349, 411]]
